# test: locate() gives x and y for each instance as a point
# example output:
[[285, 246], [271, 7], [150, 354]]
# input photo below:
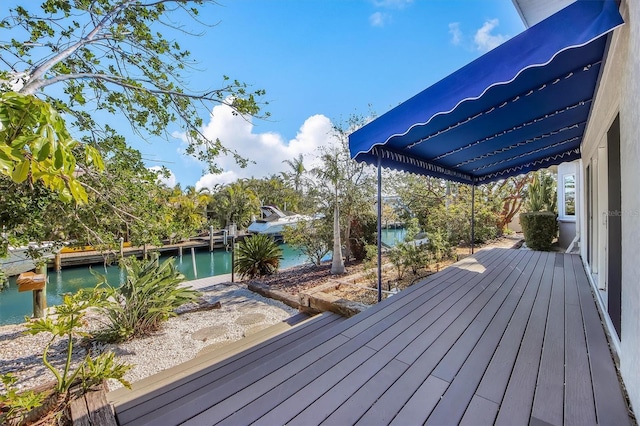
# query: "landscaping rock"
[[209, 333], [250, 318]]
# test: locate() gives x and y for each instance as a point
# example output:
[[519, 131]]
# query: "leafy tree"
[[313, 238], [110, 55], [274, 191], [35, 146]]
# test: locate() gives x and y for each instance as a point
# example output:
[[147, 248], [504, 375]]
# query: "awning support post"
[[473, 215], [379, 228]]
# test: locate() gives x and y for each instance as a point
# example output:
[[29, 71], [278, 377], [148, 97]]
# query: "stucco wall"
[[630, 171], [619, 91]]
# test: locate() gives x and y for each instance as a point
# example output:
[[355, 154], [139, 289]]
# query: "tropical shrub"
[[438, 246], [15, 405], [66, 323], [363, 232], [539, 224], [149, 296], [257, 255], [314, 239], [539, 229]]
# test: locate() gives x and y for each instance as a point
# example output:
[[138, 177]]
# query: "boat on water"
[[22, 259], [274, 220]]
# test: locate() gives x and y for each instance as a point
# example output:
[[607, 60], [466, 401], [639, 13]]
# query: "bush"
[[258, 255], [539, 228], [149, 297], [314, 239]]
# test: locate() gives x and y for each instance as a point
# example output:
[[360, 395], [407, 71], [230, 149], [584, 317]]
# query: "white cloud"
[[210, 181], [266, 150], [378, 19], [486, 41], [168, 181], [456, 33]]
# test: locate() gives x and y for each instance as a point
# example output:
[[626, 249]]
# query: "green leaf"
[[21, 172]]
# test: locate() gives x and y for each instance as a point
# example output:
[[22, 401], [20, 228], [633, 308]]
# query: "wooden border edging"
[[314, 301]]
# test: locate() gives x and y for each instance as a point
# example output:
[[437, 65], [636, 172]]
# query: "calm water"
[[14, 306]]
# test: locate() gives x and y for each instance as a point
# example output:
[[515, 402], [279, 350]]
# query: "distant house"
[[606, 182]]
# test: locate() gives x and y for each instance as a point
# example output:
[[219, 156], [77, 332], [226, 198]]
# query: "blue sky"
[[320, 61]]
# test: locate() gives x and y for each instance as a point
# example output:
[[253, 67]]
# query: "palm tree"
[[297, 171], [331, 172]]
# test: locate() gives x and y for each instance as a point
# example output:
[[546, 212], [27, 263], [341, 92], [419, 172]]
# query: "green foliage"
[[149, 296], [111, 55], [539, 228], [67, 323], [542, 193], [234, 203], [363, 232], [17, 404], [36, 146], [257, 255], [313, 238], [370, 264], [438, 246]]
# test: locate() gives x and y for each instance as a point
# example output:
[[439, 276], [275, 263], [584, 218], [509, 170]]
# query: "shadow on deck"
[[504, 336]]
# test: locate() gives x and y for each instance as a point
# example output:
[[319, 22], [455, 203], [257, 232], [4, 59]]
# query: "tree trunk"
[[337, 264]]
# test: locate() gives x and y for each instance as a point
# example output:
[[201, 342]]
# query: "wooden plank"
[[159, 381], [496, 312], [405, 299], [480, 412], [484, 285], [421, 403], [548, 402], [294, 358], [419, 318], [99, 409], [491, 322], [579, 408], [179, 410], [293, 395], [252, 402], [79, 412], [438, 339], [610, 404], [356, 404], [162, 399], [518, 393]]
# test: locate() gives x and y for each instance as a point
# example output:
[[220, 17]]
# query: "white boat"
[[274, 220], [19, 259]]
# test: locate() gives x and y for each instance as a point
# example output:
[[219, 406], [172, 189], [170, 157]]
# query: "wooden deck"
[[503, 337]]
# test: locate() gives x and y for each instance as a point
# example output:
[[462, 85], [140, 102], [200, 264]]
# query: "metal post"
[[379, 228], [233, 257], [473, 215]]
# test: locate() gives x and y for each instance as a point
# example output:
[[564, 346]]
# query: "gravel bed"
[[241, 312]]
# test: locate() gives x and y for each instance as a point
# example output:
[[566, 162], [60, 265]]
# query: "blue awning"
[[520, 107]]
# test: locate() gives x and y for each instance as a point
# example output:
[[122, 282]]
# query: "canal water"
[[14, 306]]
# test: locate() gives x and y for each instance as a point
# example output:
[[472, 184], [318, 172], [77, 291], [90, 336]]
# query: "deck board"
[[485, 341]]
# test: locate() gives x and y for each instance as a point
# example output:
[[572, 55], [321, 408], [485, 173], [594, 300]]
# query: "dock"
[[94, 257]]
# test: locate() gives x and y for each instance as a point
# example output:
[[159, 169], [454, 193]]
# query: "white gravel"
[[242, 312]]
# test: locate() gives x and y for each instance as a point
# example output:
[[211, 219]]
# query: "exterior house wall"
[[630, 171], [618, 93]]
